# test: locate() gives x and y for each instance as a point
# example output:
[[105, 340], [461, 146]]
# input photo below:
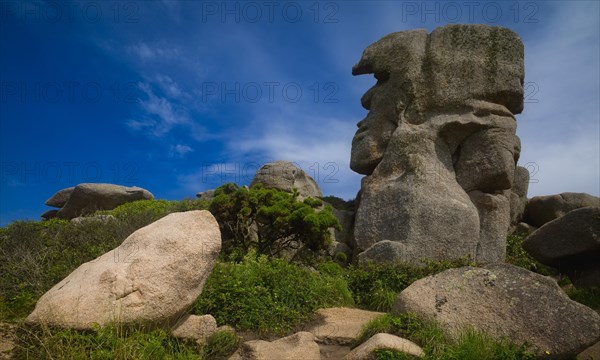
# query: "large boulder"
[[284, 175], [506, 302], [570, 243], [152, 278], [87, 198], [543, 209], [439, 146], [301, 345]]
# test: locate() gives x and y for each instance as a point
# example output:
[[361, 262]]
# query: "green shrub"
[[268, 295], [220, 345], [270, 221], [516, 255], [589, 297], [376, 285], [339, 203]]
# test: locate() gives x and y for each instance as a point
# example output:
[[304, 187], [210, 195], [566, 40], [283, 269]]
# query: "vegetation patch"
[[375, 286], [516, 255], [270, 222], [113, 342], [269, 296], [468, 345]]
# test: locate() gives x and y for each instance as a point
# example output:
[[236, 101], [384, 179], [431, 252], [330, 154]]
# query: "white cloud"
[[146, 52], [561, 131], [160, 114], [319, 145], [179, 150]]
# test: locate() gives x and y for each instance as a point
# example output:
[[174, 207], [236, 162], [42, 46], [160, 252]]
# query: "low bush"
[[339, 203], [470, 344], [269, 295], [376, 285], [516, 255], [589, 297]]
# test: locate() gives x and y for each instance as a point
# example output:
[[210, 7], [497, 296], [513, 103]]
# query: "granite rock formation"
[[438, 146]]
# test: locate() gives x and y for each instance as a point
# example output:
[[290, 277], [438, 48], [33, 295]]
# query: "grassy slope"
[[257, 294]]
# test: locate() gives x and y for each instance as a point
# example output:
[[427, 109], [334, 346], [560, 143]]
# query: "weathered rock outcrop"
[[86, 198], [506, 302], [438, 145], [61, 197], [518, 195], [284, 175], [570, 243], [543, 209], [151, 278]]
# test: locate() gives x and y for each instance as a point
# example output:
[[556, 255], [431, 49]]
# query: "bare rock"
[[543, 209], [199, 328], [340, 326], [94, 218], [284, 175], [301, 345], [87, 198], [570, 243], [151, 278], [439, 144], [384, 341], [504, 301], [61, 197]]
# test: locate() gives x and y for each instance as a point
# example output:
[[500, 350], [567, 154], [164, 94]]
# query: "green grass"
[[589, 297], [516, 255], [470, 344], [269, 295], [112, 342], [375, 286]]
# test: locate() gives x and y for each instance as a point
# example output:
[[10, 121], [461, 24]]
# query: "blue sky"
[[180, 96]]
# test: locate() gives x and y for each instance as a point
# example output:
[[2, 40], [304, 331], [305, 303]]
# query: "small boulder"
[[61, 197], [199, 328], [87, 198], [301, 345], [543, 209], [384, 341], [284, 175], [50, 214], [570, 243], [207, 195], [152, 278], [81, 220], [340, 326], [504, 301]]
